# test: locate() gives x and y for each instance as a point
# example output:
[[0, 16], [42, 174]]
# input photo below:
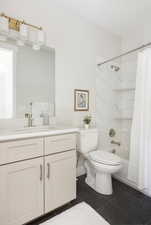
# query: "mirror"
[[26, 76]]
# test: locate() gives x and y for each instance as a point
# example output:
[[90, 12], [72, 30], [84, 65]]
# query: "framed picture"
[[81, 100]]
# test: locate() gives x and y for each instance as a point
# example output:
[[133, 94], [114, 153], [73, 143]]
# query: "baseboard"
[[129, 183], [125, 181]]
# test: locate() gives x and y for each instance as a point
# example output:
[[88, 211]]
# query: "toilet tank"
[[88, 140]]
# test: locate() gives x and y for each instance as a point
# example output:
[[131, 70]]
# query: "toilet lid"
[[104, 157]]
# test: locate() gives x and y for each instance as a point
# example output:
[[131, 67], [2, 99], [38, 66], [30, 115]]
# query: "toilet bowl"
[[99, 164], [104, 164]]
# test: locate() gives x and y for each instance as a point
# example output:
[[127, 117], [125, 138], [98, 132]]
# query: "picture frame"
[[81, 100]]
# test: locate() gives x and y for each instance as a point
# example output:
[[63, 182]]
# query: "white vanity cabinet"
[[32, 182], [60, 179], [21, 192]]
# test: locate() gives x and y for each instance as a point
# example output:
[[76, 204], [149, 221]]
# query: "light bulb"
[[4, 28], [36, 47], [23, 32], [40, 37]]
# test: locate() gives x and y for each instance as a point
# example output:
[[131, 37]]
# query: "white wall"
[[78, 45]]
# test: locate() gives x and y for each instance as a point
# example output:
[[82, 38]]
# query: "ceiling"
[[118, 16]]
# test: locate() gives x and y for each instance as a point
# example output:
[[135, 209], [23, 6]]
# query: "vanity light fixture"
[[20, 31]]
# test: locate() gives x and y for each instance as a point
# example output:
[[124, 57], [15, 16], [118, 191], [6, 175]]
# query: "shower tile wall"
[[125, 101], [106, 106], [114, 103]]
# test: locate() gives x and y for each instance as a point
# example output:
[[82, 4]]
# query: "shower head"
[[115, 68]]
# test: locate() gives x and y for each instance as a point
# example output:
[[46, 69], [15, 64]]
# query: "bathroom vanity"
[[37, 173], [37, 163]]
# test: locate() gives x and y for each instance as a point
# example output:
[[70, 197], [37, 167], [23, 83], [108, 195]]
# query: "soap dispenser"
[[45, 117]]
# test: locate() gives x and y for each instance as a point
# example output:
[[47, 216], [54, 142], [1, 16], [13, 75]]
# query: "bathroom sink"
[[32, 129], [24, 130]]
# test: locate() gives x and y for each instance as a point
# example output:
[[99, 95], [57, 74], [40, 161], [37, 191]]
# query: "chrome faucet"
[[115, 143], [29, 116]]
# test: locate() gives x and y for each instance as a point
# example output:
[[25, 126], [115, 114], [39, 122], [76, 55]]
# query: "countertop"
[[35, 132]]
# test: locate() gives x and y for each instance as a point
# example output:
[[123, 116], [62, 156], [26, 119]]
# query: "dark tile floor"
[[125, 207]]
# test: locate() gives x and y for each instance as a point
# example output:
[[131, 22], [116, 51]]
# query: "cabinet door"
[[21, 191], [60, 179]]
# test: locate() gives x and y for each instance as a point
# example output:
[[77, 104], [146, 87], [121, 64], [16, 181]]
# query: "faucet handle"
[[26, 115], [30, 119]]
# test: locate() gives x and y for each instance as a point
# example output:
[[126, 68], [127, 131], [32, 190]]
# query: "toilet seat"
[[105, 157]]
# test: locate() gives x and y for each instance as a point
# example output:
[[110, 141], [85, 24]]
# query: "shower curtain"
[[140, 149]]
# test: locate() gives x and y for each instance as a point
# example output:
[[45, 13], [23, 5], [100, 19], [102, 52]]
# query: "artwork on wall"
[[81, 100]]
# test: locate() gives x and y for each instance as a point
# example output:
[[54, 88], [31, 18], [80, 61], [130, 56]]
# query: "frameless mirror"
[[26, 76]]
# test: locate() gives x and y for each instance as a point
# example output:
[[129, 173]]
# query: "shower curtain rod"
[[126, 53]]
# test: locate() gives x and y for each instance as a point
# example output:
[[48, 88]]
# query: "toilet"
[[99, 164]]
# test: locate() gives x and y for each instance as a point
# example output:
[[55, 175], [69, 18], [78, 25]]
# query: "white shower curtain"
[[140, 150]]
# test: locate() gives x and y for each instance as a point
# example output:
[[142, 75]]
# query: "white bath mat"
[[81, 214]]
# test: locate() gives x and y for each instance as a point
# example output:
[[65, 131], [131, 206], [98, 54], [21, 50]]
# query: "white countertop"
[[29, 133]]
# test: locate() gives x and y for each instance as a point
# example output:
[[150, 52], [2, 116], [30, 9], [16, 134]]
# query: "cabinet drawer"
[[60, 143], [21, 149]]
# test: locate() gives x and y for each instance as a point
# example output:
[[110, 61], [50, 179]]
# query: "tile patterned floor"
[[125, 207]]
